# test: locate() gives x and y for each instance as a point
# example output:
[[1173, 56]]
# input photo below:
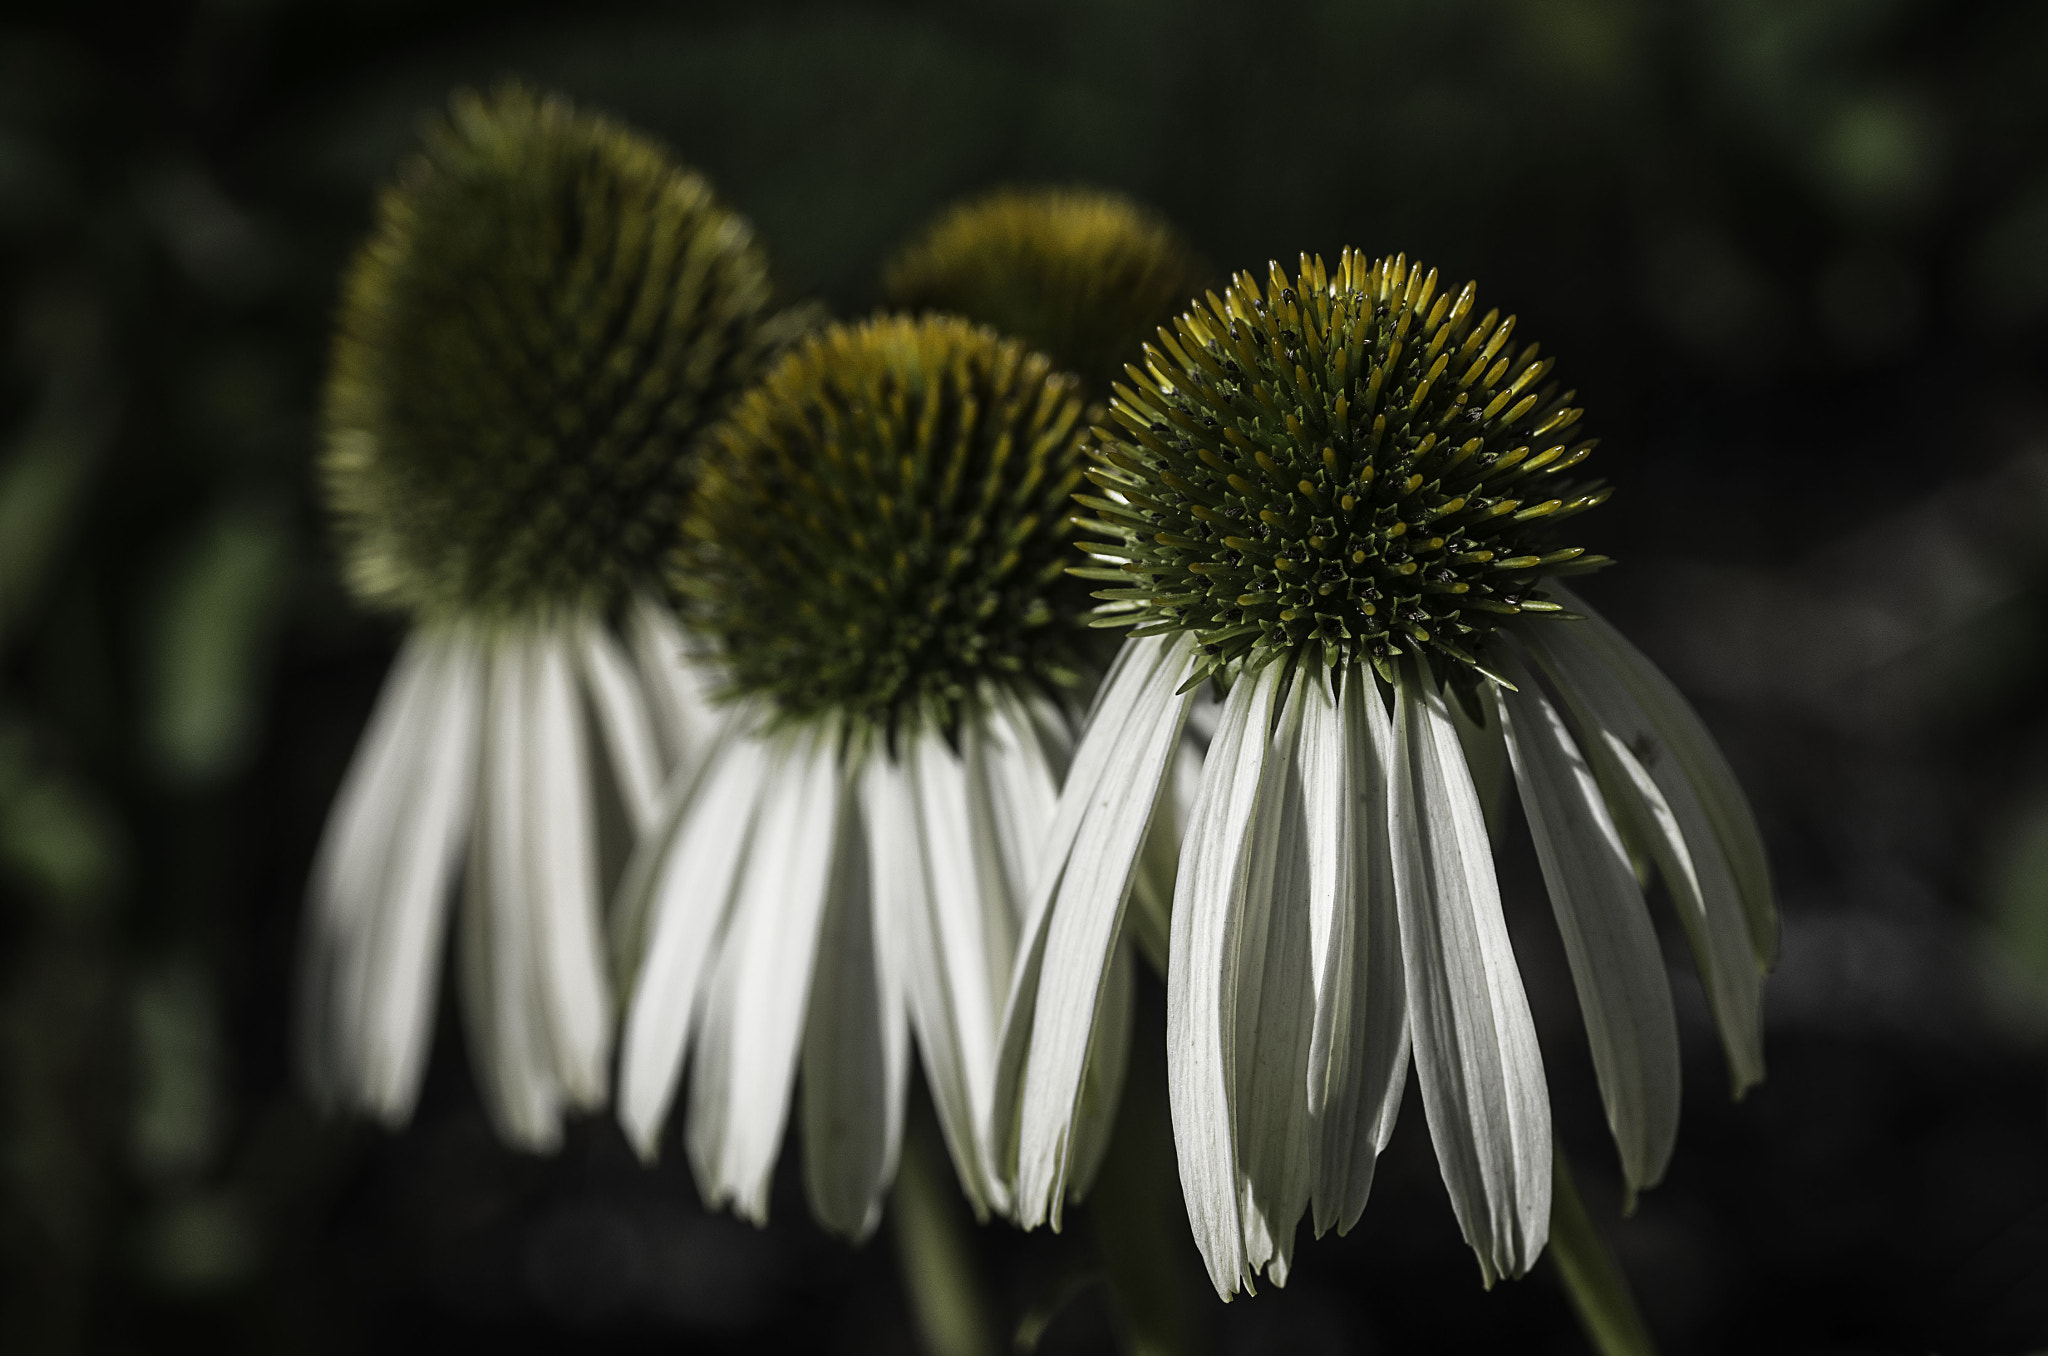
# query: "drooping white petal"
[[1114, 707], [1151, 911], [960, 932], [356, 840], [1202, 1035], [629, 919], [508, 1038], [856, 1045], [1363, 1069], [382, 891], [1273, 994], [678, 700], [754, 1009], [1475, 1043], [1336, 887], [687, 873], [1015, 759], [1706, 767], [1076, 915], [616, 697], [349, 868], [1150, 916], [1616, 966], [1102, 1084], [561, 843], [1643, 781]]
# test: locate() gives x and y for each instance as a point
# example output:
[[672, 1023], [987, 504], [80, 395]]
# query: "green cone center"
[[1345, 460], [546, 317], [882, 526]]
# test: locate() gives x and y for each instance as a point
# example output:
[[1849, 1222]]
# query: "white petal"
[[500, 989], [1150, 918], [1114, 706], [1335, 888], [1016, 758], [1616, 966], [1202, 1035], [687, 873], [1706, 767], [969, 831], [675, 680], [635, 759], [1367, 1057], [398, 953], [355, 844], [754, 1009], [1076, 915], [561, 842], [1102, 1085], [629, 919], [1274, 999], [856, 1047], [1657, 796], [960, 934], [350, 867], [1475, 1044]]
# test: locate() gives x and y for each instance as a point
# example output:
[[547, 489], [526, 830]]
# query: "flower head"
[[1333, 495], [546, 317], [1353, 466], [875, 558], [882, 529], [1080, 274]]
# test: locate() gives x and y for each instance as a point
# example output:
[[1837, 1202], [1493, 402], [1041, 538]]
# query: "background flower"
[[1081, 275], [545, 318]]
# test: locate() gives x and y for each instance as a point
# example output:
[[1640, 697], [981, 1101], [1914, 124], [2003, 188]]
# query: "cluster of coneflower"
[[758, 707]]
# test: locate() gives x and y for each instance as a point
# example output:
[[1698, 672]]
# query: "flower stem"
[[935, 1250], [1593, 1281]]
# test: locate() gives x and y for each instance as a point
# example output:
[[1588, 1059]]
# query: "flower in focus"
[[1338, 494], [1078, 274], [545, 316], [876, 554]]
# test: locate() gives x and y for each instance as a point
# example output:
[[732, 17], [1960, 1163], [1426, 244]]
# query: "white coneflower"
[[1336, 495], [544, 318], [876, 554]]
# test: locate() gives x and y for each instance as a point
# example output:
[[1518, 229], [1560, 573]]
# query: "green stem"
[[935, 1249], [1593, 1282]]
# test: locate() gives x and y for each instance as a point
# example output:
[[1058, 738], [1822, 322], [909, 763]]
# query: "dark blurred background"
[[1793, 253]]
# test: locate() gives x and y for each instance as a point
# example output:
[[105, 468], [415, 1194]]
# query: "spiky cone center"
[[882, 527], [1345, 462], [1078, 274], [547, 315]]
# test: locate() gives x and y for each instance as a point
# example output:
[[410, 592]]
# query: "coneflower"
[[547, 313], [1339, 494], [876, 555]]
